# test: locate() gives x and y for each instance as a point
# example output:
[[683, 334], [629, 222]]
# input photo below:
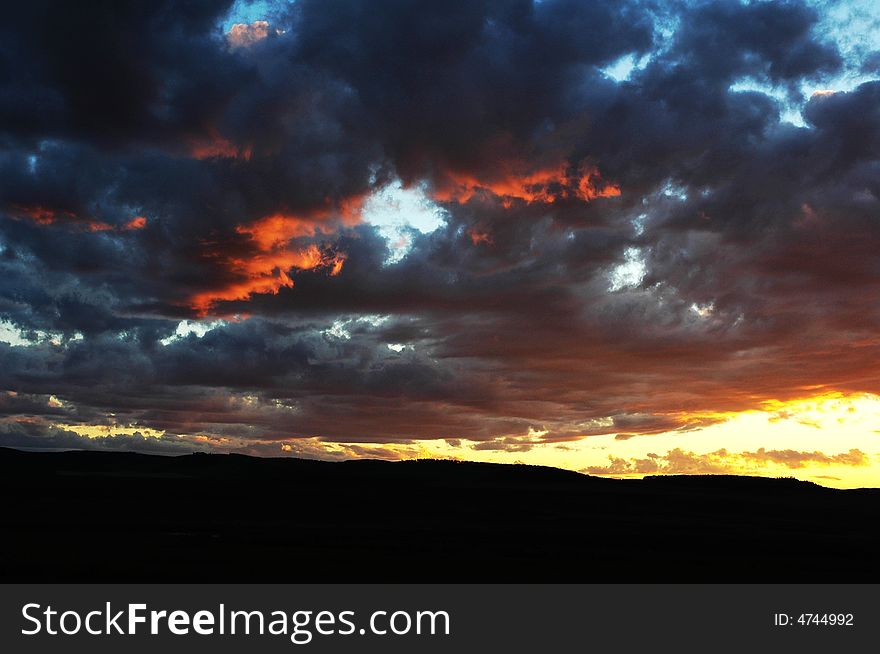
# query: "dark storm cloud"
[[460, 84], [614, 256], [720, 40], [112, 72]]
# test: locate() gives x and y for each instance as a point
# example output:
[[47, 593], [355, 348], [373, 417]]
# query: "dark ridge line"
[[526, 472]]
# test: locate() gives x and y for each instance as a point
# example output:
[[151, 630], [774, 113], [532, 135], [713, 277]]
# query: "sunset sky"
[[620, 237]]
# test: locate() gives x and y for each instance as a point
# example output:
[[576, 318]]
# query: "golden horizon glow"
[[818, 438], [788, 438], [103, 431]]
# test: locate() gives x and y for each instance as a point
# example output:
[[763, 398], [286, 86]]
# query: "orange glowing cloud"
[[41, 215], [138, 222], [545, 186], [44, 216], [244, 35], [350, 208], [276, 230], [266, 269], [215, 146], [590, 186], [478, 236]]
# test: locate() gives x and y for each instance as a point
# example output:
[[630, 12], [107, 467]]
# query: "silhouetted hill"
[[99, 516]]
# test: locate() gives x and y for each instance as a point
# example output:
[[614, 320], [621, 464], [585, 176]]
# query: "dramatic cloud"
[[505, 224]]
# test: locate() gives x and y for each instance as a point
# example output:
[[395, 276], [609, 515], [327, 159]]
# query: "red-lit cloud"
[[268, 257], [217, 147], [68, 219], [545, 185], [138, 222], [480, 236], [244, 35]]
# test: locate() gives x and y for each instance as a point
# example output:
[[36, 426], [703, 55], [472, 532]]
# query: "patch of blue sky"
[[187, 327], [398, 213], [248, 11], [666, 23], [854, 26], [789, 112], [12, 334], [630, 273], [622, 69]]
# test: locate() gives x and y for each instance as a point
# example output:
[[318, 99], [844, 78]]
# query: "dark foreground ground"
[[88, 516]]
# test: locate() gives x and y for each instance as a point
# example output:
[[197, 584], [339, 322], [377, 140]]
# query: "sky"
[[619, 237]]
